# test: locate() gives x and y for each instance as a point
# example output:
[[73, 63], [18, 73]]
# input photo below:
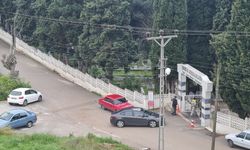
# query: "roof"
[[21, 89], [17, 110], [114, 96]]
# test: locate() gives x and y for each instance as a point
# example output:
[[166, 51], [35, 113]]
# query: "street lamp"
[[167, 71]]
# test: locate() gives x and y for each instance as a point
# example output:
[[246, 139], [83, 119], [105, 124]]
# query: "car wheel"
[[25, 103], [120, 123], [40, 98], [152, 124], [230, 143], [29, 124]]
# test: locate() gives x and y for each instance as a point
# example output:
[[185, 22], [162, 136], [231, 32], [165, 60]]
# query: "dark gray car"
[[135, 116]]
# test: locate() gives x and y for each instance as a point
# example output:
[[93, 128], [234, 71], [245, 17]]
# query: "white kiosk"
[[185, 70]]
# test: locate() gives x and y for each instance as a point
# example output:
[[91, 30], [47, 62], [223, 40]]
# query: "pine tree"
[[233, 53], [105, 45], [223, 14], [199, 52], [170, 14]]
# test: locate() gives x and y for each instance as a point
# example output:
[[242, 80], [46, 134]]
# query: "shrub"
[[7, 84]]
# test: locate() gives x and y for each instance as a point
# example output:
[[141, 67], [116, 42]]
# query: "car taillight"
[[21, 97]]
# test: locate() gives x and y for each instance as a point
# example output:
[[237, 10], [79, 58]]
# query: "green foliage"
[[138, 73], [96, 72], [107, 47], [233, 54], [169, 14], [199, 52], [7, 84], [49, 142], [223, 14], [129, 82]]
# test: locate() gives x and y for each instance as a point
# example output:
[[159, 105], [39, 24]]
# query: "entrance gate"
[[185, 70]]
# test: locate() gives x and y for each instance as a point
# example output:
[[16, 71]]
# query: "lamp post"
[[162, 43]]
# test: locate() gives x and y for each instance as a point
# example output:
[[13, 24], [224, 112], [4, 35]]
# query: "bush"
[[7, 84]]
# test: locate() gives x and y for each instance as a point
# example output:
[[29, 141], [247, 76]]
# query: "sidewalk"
[[220, 128]]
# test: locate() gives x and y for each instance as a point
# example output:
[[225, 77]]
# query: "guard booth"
[[184, 71]]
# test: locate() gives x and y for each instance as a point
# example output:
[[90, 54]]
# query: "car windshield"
[[16, 93], [6, 116], [120, 101]]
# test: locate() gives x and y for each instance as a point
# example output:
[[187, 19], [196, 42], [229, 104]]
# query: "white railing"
[[78, 77], [233, 121]]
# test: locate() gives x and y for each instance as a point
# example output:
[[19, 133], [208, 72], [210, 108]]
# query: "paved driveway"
[[70, 109]]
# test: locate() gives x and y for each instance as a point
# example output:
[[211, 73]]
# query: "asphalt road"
[[69, 109]]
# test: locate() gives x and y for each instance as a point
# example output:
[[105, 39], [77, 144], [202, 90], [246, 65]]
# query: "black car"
[[134, 116]]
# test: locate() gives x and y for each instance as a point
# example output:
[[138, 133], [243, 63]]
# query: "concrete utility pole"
[[162, 44], [216, 105], [13, 50], [9, 61]]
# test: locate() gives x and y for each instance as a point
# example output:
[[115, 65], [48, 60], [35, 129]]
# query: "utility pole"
[[13, 49], [216, 105], [162, 44], [9, 61]]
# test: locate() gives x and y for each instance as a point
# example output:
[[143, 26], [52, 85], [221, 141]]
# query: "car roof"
[[21, 89], [17, 110], [114, 96], [133, 108]]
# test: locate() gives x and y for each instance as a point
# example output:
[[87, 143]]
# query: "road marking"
[[106, 132]]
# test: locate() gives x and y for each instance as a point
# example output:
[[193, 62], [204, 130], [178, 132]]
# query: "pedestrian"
[[193, 107], [174, 104]]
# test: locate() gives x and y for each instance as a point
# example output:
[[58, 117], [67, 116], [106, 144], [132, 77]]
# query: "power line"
[[136, 29]]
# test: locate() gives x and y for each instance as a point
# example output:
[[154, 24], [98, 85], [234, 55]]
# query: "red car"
[[114, 102]]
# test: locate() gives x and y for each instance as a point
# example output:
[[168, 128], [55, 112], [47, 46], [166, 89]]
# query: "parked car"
[[135, 116], [241, 139], [24, 96], [17, 118], [114, 102]]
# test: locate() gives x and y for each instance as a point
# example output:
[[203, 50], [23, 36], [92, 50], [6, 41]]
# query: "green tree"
[[107, 45], [223, 14], [199, 52], [233, 53], [170, 14], [6, 16]]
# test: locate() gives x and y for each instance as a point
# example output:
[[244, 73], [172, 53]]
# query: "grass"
[[143, 73], [11, 141]]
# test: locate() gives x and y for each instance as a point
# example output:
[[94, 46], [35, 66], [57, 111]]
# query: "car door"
[[33, 95], [247, 141], [139, 119], [23, 119], [14, 122], [127, 117], [28, 96], [239, 139], [108, 104]]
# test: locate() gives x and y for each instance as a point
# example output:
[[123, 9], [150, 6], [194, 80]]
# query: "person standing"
[[174, 104]]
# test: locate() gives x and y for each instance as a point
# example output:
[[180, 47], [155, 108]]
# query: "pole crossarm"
[[161, 37]]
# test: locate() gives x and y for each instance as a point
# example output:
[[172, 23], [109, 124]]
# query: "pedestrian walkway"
[[194, 122], [222, 129]]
